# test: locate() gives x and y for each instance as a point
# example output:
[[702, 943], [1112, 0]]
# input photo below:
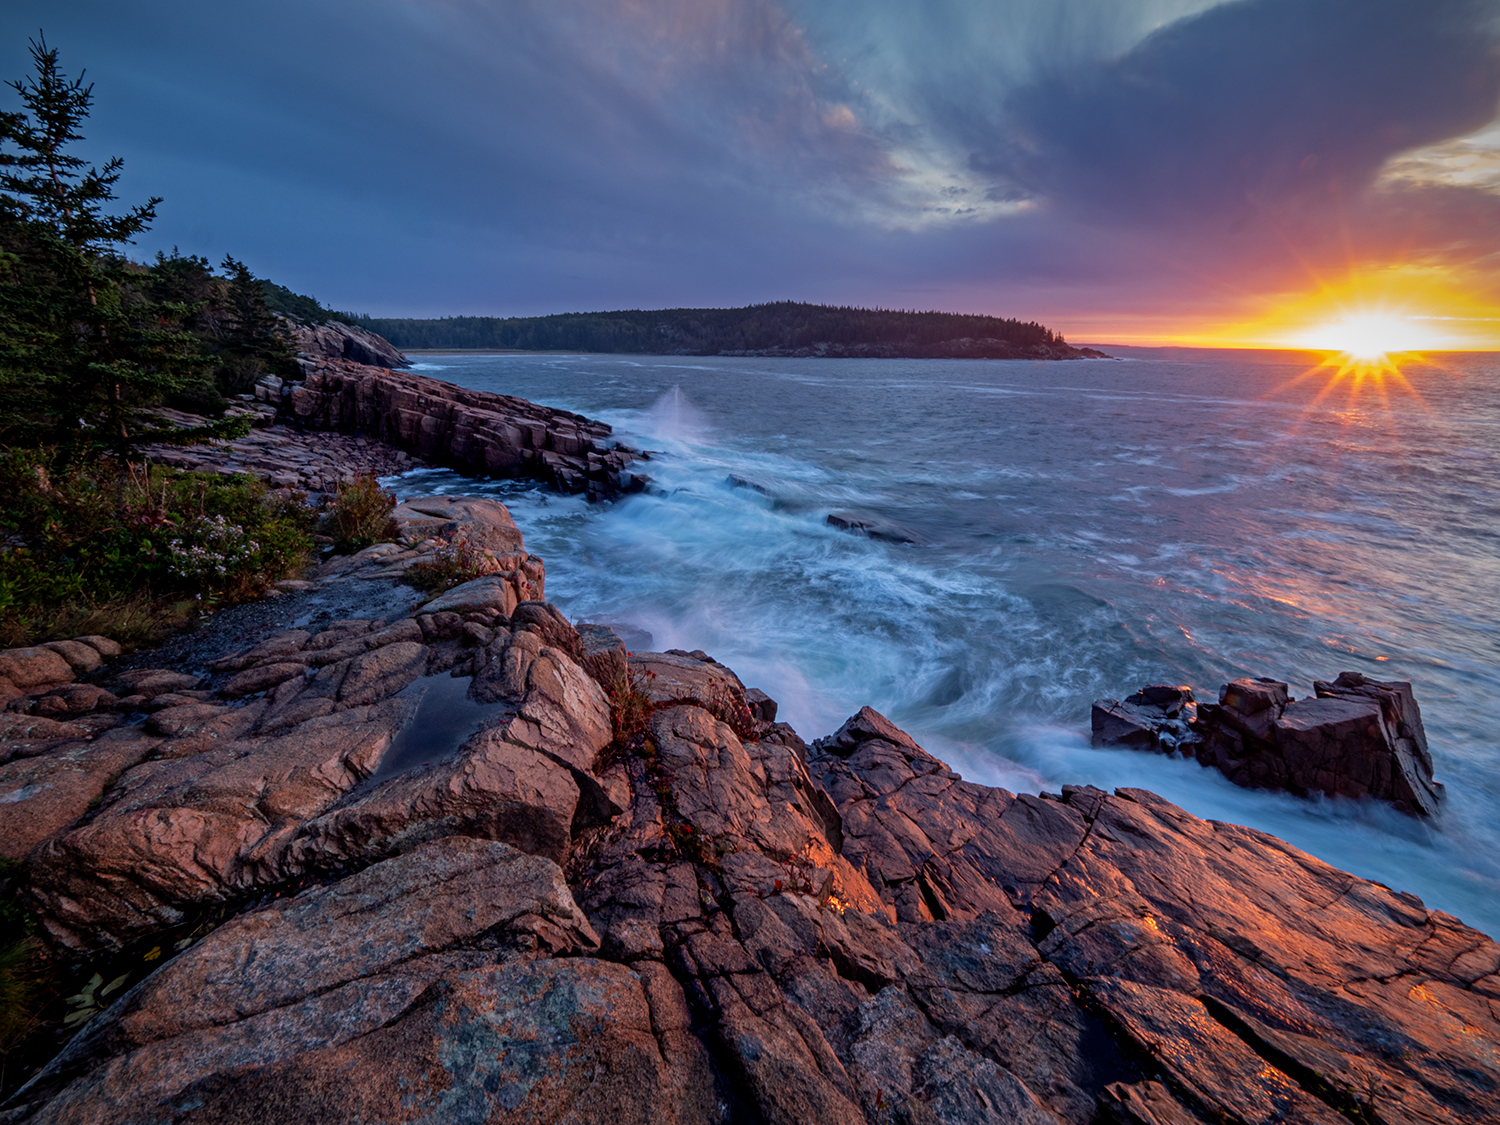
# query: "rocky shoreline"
[[464, 860]]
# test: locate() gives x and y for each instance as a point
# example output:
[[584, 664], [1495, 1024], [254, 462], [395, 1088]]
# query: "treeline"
[[780, 325]]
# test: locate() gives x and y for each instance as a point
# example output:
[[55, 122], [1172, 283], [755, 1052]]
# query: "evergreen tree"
[[256, 344], [82, 347]]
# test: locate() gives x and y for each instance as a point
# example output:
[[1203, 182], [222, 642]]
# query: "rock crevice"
[[743, 927]]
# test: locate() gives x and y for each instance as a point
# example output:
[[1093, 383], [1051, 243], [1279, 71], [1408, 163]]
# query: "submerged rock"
[[876, 527], [1354, 738]]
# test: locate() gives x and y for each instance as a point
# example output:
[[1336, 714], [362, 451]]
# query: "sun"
[[1370, 336]]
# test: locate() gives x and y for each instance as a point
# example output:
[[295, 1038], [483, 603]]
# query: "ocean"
[[1075, 530]]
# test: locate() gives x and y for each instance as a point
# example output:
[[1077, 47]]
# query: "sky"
[[1149, 171]]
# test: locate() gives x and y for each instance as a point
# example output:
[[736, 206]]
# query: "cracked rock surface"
[[698, 919]]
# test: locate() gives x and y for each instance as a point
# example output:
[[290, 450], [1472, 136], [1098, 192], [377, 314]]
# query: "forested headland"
[[776, 328]]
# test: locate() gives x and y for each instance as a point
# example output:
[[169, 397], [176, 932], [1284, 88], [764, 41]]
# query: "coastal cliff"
[[619, 890], [475, 432]]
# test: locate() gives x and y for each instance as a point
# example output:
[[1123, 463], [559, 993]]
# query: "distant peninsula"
[[781, 328]]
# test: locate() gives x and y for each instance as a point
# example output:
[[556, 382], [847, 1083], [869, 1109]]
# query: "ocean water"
[[1080, 529]]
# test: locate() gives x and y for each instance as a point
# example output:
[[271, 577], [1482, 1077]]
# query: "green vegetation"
[[91, 539], [309, 310], [362, 514], [88, 339], [454, 563], [787, 325], [128, 549], [18, 983]]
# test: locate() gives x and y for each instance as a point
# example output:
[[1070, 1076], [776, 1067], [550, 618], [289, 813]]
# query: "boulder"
[[1158, 717], [102, 645], [30, 670], [1354, 738], [479, 521], [73, 699], [82, 658], [151, 682], [876, 527]]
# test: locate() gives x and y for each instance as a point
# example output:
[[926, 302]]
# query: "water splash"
[[673, 418], [1092, 529]]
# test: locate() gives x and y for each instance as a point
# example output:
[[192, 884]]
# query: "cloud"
[[1253, 105], [1040, 158]]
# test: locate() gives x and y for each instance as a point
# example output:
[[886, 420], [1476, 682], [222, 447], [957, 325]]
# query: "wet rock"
[[1355, 738], [1346, 741], [1158, 717], [734, 481], [875, 527]]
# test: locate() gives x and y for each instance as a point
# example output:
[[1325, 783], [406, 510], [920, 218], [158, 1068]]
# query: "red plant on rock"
[[455, 562]]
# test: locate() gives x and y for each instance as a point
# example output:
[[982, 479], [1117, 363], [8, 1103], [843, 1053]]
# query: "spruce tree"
[[82, 347]]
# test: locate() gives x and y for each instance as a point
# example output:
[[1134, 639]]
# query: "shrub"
[[362, 514], [453, 563], [134, 548]]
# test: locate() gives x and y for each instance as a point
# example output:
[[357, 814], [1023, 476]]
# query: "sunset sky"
[[1121, 170]]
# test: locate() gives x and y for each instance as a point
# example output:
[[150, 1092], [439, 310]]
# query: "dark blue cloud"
[[1252, 105], [434, 156]]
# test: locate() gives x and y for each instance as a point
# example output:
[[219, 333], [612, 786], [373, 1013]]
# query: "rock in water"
[[702, 921], [1158, 717], [1354, 738]]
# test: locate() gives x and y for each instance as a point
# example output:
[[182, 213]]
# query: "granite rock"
[[1354, 738], [703, 919]]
